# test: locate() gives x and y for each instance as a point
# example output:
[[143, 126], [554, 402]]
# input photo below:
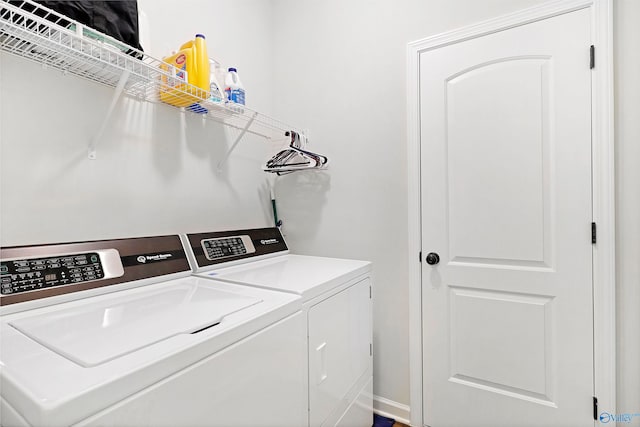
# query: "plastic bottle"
[[216, 93], [233, 87], [191, 65], [201, 63]]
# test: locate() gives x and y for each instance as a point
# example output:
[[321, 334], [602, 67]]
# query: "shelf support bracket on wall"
[[235, 143], [114, 100]]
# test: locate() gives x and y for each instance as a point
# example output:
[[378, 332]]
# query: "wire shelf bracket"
[[107, 118], [235, 143]]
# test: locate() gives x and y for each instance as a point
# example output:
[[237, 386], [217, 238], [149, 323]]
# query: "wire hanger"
[[295, 158]]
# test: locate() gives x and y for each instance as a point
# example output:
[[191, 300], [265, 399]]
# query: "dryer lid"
[[307, 276], [95, 333]]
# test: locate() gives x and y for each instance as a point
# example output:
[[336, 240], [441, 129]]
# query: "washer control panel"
[[30, 274], [224, 247]]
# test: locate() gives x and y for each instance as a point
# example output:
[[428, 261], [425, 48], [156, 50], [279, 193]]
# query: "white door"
[[506, 204]]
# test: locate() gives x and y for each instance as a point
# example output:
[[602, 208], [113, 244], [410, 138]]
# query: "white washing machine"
[[336, 297], [118, 333]]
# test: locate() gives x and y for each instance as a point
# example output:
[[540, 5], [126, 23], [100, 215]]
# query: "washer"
[[118, 332], [336, 297]]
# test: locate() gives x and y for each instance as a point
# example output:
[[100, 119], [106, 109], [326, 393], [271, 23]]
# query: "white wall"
[[341, 71], [627, 110], [156, 168]]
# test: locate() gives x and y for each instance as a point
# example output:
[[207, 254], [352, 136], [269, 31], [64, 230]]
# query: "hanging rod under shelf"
[[36, 33]]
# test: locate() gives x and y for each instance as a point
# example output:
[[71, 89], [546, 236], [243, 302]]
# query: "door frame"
[[603, 187]]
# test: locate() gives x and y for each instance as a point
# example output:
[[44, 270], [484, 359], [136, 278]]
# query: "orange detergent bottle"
[[190, 69]]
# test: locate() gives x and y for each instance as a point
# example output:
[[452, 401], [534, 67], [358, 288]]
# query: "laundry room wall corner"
[[342, 68]]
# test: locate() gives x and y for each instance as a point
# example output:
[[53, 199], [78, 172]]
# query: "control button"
[[37, 262], [67, 259], [21, 263], [23, 269], [52, 260], [87, 269], [80, 258], [54, 265], [76, 280], [6, 279], [38, 267], [7, 291], [94, 258], [4, 269], [81, 262]]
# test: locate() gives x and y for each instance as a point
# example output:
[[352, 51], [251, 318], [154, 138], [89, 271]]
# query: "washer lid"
[[97, 332]]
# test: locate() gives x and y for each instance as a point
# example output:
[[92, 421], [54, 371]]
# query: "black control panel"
[[22, 275], [218, 247], [224, 247]]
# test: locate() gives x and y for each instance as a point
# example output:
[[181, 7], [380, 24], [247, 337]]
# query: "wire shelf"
[[39, 34]]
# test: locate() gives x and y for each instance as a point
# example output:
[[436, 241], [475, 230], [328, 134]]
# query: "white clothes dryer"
[[118, 332], [336, 296]]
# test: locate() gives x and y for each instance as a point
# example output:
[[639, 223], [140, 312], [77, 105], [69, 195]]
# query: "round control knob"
[[433, 258]]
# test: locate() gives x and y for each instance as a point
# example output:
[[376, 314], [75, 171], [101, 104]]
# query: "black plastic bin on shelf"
[[118, 19]]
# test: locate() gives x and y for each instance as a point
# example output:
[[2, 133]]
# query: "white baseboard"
[[390, 409]]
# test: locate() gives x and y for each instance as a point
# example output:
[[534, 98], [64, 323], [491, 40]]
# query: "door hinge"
[[592, 56], [420, 257], [370, 349], [369, 292], [593, 233], [595, 408]]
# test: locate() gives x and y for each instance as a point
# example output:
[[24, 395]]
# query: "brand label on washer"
[[269, 241], [157, 257], [132, 260]]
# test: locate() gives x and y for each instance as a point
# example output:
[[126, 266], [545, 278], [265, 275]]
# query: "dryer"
[[118, 332], [336, 298]]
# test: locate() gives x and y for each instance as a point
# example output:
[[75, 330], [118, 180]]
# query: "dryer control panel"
[[22, 275], [223, 247]]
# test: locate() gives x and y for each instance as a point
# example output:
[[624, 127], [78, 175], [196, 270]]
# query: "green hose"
[[276, 221]]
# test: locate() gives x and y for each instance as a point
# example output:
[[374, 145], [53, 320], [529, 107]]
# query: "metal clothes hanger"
[[295, 158]]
